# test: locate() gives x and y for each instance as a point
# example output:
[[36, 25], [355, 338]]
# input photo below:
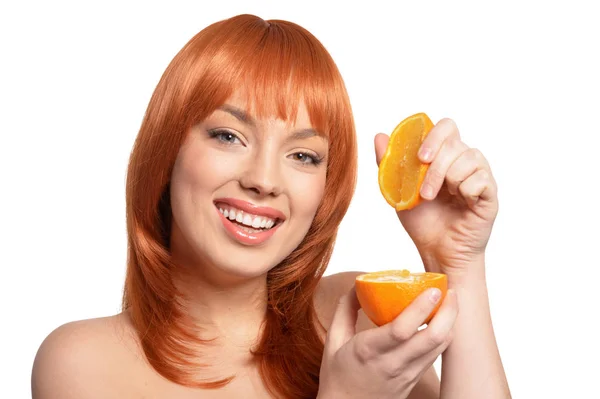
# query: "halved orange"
[[401, 173], [385, 294]]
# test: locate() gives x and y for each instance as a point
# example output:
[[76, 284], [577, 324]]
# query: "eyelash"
[[218, 134], [314, 160]]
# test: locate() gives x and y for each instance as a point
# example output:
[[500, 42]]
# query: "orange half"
[[401, 173], [385, 294]]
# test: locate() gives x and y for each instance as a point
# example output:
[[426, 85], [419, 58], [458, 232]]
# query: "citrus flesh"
[[385, 294], [401, 173]]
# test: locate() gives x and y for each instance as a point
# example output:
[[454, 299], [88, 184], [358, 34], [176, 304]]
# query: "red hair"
[[279, 64]]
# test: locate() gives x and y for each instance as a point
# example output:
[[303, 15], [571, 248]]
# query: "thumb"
[[381, 142], [343, 325]]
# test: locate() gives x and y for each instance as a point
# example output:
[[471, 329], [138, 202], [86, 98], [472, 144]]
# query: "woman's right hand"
[[387, 361]]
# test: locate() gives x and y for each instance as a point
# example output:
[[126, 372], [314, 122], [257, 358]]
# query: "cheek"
[[187, 181], [307, 193], [199, 172], [194, 179]]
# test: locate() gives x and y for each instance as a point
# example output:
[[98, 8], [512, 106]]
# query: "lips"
[[247, 223], [251, 209]]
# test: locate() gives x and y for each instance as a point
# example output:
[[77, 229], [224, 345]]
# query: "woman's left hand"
[[451, 227]]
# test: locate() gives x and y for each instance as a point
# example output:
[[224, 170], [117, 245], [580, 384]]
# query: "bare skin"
[[276, 164], [100, 358]]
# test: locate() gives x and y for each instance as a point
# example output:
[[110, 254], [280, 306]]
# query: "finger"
[[437, 335], [464, 166], [479, 186], [419, 364], [405, 325], [423, 348], [450, 151], [381, 142], [425, 362], [432, 144], [342, 327]]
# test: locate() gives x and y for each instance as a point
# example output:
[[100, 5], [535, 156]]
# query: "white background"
[[520, 79]]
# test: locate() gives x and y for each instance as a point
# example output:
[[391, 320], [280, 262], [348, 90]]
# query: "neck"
[[229, 310], [223, 308]]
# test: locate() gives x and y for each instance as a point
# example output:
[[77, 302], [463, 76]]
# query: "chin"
[[228, 258], [254, 260], [225, 257]]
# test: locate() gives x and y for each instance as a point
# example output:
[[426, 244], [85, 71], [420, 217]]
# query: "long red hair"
[[279, 64]]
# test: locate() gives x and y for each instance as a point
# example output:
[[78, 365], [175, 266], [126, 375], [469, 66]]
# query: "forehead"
[[253, 110]]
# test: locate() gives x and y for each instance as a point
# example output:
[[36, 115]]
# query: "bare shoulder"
[[329, 291], [86, 359]]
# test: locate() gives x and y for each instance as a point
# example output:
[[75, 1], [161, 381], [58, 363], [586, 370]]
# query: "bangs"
[[274, 66]]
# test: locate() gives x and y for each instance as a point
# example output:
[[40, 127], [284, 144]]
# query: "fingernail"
[[426, 191], [425, 154], [435, 295]]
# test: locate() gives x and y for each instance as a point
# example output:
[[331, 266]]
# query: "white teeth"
[[254, 221]]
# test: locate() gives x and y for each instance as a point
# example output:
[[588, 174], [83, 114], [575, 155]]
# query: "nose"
[[262, 175]]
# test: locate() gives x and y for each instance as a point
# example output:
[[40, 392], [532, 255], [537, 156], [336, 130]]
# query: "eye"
[[224, 136], [306, 158]]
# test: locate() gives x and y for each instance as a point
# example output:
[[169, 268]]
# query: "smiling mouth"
[[248, 222]]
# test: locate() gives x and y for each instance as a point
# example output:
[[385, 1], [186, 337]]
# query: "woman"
[[242, 171]]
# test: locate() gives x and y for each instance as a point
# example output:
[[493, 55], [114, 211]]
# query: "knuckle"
[[436, 337], [391, 370], [456, 144], [450, 124], [425, 307], [454, 185], [435, 175], [454, 176], [407, 375], [362, 352], [399, 333], [475, 154], [484, 174]]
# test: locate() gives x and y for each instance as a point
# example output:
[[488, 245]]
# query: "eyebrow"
[[239, 114], [305, 134], [243, 117]]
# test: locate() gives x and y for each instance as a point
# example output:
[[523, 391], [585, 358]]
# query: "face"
[[244, 191]]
